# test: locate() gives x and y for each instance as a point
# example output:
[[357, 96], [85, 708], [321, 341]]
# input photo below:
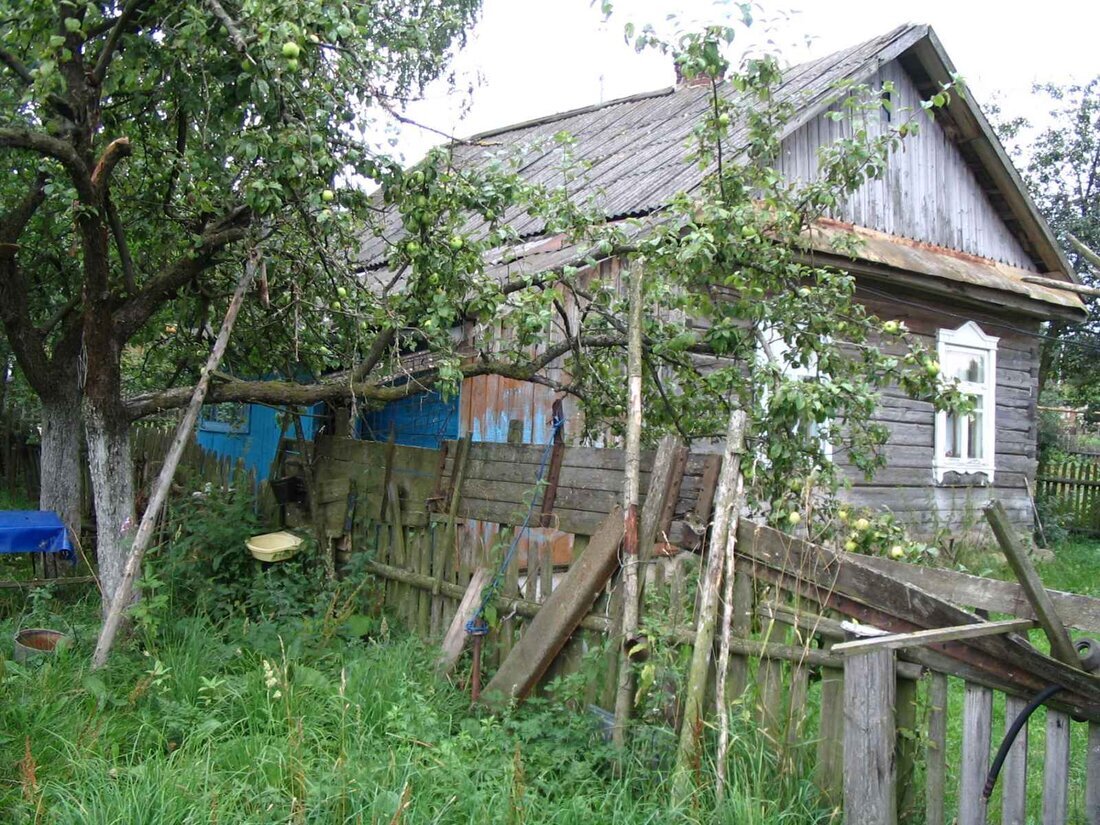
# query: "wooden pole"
[[121, 597], [691, 730], [728, 607], [624, 695], [1061, 647]]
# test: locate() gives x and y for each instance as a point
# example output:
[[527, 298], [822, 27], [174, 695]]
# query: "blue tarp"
[[34, 531]]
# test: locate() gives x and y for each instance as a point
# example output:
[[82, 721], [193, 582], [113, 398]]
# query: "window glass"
[[965, 365]]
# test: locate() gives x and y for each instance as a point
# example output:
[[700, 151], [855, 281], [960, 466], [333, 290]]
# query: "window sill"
[[955, 476]]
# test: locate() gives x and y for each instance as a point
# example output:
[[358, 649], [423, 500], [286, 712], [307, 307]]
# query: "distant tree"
[[1061, 164]]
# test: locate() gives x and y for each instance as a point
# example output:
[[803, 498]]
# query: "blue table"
[[34, 531]]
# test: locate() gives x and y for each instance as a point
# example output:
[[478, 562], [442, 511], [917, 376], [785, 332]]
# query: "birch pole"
[[624, 696], [121, 597], [728, 606], [688, 756]]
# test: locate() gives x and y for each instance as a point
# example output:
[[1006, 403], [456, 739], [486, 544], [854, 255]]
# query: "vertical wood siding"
[[928, 193]]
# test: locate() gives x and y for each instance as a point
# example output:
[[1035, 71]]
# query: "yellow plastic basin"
[[274, 546]]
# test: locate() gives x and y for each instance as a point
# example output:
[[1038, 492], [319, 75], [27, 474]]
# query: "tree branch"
[[336, 388], [116, 31], [13, 63], [137, 310], [60, 315], [116, 150], [51, 147], [119, 234], [24, 339], [230, 24]]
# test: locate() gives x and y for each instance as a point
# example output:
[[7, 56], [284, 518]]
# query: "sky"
[[528, 58]]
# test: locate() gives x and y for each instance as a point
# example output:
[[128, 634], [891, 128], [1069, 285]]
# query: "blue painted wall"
[[424, 420], [249, 432]]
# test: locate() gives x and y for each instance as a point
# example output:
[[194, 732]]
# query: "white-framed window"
[[965, 443]]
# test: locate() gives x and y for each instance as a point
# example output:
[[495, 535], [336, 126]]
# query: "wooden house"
[[949, 239]]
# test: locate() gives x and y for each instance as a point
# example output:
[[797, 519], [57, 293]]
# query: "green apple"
[[891, 327], [457, 242], [932, 367], [724, 119], [862, 524], [851, 546], [292, 65], [843, 516], [793, 517], [328, 196], [897, 552], [342, 291], [291, 50]]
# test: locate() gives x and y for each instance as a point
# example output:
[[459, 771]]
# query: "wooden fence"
[[1071, 489], [873, 725]]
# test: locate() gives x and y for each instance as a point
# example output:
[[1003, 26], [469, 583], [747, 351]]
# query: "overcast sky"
[[528, 58]]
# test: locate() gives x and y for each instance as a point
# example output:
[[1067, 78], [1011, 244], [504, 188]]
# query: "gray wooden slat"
[[935, 781], [869, 781], [1056, 769], [974, 763], [1092, 776], [1013, 780]]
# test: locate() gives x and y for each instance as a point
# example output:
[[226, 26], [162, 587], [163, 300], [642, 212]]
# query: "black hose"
[[1010, 737]]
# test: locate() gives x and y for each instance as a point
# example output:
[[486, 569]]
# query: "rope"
[[477, 626]]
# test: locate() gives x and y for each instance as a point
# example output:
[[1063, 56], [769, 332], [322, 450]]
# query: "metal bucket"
[[39, 641]]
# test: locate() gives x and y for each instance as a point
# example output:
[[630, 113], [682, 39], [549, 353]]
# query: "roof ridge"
[[580, 110], [669, 90]]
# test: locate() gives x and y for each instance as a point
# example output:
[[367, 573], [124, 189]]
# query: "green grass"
[[212, 728]]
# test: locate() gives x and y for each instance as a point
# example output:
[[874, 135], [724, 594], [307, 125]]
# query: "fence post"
[[870, 788]]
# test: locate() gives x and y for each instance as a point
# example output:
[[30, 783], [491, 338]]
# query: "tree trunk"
[[111, 472], [61, 472]]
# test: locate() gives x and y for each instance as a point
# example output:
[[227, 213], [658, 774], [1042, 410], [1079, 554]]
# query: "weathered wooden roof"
[[633, 150]]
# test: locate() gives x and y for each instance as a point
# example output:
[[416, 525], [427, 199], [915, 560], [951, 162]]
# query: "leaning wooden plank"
[[1092, 776], [1060, 644], [965, 590], [121, 599], [919, 638], [869, 781], [1014, 771], [455, 638], [1056, 769], [977, 727], [559, 616]]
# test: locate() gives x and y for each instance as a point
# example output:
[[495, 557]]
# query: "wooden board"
[[559, 617], [903, 608], [1081, 612]]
